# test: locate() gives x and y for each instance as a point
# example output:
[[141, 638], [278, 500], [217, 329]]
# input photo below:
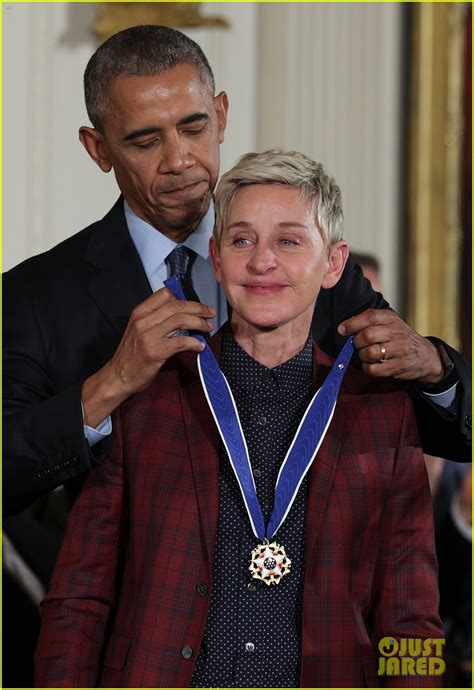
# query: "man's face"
[[161, 135], [272, 259]]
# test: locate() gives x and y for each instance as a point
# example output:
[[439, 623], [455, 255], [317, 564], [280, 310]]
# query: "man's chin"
[[183, 218]]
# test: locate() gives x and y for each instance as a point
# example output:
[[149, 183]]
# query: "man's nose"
[[175, 158]]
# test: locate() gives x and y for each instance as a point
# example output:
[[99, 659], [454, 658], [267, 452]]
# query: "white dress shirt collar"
[[153, 247]]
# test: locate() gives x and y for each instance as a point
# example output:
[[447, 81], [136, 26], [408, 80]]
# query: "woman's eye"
[[241, 242], [288, 243]]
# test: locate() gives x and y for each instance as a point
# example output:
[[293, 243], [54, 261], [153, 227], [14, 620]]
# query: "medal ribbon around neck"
[[303, 449]]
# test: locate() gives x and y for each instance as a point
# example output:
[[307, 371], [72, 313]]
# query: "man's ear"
[[336, 262], [215, 257], [95, 145], [221, 104]]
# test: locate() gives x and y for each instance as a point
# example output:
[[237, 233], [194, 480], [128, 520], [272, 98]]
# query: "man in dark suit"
[[82, 331], [153, 586]]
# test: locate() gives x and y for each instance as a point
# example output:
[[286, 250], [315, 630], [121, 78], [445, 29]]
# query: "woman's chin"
[[261, 321]]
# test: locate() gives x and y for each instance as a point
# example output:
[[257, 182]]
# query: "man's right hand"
[[147, 343]]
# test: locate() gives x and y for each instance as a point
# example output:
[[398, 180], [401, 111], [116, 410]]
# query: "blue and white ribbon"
[[303, 449]]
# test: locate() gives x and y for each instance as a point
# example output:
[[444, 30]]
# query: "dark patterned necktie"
[[179, 263]]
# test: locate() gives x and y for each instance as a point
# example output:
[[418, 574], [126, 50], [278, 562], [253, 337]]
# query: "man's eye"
[[147, 145], [195, 131]]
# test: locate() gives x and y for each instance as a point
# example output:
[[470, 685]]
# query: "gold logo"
[[411, 656]]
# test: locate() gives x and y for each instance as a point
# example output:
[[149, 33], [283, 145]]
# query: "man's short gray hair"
[[288, 168], [141, 51]]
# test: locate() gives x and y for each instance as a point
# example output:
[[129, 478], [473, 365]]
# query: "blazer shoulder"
[[177, 378], [357, 382], [378, 414]]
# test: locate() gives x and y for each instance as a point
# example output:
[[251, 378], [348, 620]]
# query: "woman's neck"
[[271, 347]]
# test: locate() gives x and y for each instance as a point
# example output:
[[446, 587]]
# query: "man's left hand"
[[387, 346]]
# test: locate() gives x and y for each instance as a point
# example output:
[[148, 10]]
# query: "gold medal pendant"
[[269, 563]]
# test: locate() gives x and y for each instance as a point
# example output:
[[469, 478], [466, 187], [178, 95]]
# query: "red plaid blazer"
[[130, 593]]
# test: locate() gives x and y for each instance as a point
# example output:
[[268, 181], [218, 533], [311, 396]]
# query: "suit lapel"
[[321, 477], [203, 443], [119, 282], [321, 474]]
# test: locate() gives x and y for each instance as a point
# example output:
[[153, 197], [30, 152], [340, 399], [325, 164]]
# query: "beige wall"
[[51, 188], [319, 77], [332, 90]]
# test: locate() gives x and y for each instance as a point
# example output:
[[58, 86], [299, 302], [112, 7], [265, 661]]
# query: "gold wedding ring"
[[383, 354]]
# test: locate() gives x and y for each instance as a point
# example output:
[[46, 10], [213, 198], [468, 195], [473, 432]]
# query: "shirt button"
[[249, 646], [267, 377], [202, 589], [262, 421], [257, 473], [252, 587], [187, 651]]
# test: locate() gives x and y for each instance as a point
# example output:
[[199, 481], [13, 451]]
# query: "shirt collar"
[[245, 372], [199, 239], [153, 247]]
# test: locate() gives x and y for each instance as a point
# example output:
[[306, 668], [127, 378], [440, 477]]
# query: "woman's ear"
[[96, 146], [337, 260], [215, 257]]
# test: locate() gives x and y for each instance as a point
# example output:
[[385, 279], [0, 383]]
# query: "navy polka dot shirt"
[[253, 631]]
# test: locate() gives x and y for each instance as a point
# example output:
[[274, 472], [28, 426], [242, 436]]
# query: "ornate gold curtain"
[[435, 131]]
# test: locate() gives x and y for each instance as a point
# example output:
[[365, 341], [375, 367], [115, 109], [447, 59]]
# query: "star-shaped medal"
[[269, 563]]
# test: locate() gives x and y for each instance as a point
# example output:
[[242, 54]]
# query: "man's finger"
[[181, 343], [155, 300], [390, 368], [379, 353], [374, 335], [183, 321], [147, 318], [370, 317], [164, 296]]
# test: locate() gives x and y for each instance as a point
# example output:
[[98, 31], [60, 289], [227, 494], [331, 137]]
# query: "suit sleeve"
[[77, 609], [445, 434], [406, 600], [351, 295], [43, 435]]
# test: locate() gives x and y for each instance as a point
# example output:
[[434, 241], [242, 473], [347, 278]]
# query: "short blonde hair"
[[288, 168]]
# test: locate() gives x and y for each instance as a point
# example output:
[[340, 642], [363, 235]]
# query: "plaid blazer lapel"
[[321, 474], [203, 443], [321, 477]]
